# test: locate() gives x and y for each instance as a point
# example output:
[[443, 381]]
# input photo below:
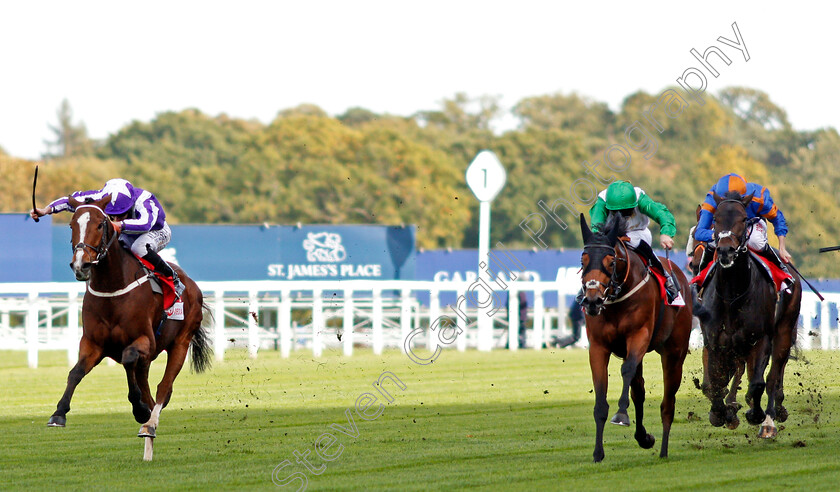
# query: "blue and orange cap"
[[731, 182]]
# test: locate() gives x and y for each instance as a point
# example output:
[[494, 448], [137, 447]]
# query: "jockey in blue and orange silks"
[[761, 206], [137, 214]]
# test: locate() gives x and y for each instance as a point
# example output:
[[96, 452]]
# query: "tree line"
[[362, 167]]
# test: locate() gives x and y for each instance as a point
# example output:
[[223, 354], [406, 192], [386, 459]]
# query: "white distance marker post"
[[486, 177]]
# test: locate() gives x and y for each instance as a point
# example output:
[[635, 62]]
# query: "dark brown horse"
[[625, 316], [122, 318], [743, 320]]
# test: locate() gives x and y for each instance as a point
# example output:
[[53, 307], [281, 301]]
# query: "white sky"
[[122, 61]]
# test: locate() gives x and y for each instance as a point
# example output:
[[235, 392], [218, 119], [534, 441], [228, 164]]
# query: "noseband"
[[103, 247]]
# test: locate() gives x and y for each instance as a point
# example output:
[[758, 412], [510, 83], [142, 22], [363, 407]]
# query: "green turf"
[[499, 421]]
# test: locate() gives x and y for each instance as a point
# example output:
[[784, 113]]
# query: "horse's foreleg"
[[636, 347], [599, 359], [136, 354], [756, 364], [90, 354], [637, 393]]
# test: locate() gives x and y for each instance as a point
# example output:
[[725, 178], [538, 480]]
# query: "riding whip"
[[34, 183], [806, 281], [830, 248]]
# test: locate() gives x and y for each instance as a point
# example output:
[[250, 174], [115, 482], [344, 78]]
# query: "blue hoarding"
[[309, 252], [26, 249]]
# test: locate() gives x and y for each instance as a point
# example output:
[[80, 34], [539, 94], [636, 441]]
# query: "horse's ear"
[[747, 199], [717, 197], [697, 212], [74, 203], [102, 202], [585, 231]]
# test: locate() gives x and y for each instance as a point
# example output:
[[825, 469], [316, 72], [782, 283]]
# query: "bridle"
[[614, 288], [102, 249], [742, 240]]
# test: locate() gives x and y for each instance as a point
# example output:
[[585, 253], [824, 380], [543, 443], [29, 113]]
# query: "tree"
[[71, 139]]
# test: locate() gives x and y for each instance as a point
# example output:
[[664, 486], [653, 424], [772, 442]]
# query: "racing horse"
[[124, 319], [626, 316], [744, 321]]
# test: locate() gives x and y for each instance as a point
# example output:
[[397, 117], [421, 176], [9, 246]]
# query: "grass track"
[[500, 421]]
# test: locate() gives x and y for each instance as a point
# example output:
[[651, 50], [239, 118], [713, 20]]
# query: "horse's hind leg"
[[174, 362], [134, 356], [90, 354], [672, 369], [637, 393]]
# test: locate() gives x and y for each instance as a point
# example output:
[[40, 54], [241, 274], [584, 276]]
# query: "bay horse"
[[626, 316], [123, 318], [743, 320]]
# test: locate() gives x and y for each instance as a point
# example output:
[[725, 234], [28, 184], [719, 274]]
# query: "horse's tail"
[[200, 344]]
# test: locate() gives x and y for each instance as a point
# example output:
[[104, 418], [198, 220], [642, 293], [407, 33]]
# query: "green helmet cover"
[[621, 195]]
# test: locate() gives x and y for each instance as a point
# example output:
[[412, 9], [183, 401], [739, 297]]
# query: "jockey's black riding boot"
[[771, 255], [164, 269], [671, 289]]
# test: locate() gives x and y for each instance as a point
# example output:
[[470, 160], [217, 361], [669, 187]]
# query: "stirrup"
[[179, 286]]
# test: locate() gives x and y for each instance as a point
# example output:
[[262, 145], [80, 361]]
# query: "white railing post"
[[405, 316], [825, 327], [253, 324], [32, 330], [72, 328], [513, 318], [461, 342], [219, 341], [539, 313], [434, 313], [317, 322], [349, 321], [378, 341], [284, 320]]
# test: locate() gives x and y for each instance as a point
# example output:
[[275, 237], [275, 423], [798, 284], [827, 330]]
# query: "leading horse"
[[744, 320], [626, 316], [124, 319]]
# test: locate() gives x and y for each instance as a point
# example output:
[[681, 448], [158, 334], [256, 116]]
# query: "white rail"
[[337, 315]]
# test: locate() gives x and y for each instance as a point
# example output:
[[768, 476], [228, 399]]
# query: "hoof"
[[142, 414], [620, 419], [646, 442], [733, 423], [781, 413], [57, 421], [732, 420], [598, 457], [146, 431], [716, 419], [754, 417], [768, 429]]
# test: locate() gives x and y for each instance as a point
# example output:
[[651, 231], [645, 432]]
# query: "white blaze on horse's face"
[[79, 254]]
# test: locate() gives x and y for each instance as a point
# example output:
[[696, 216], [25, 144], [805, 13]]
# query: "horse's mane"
[[615, 227], [732, 195]]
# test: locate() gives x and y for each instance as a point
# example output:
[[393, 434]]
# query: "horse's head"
[[600, 263], [730, 226], [91, 235]]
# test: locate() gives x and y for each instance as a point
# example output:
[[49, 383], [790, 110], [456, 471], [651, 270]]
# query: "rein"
[[615, 287]]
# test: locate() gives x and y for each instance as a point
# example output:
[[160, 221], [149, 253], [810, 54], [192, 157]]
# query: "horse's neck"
[[736, 279], [115, 270]]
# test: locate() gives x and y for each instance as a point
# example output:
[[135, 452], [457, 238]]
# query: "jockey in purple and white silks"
[[137, 214]]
